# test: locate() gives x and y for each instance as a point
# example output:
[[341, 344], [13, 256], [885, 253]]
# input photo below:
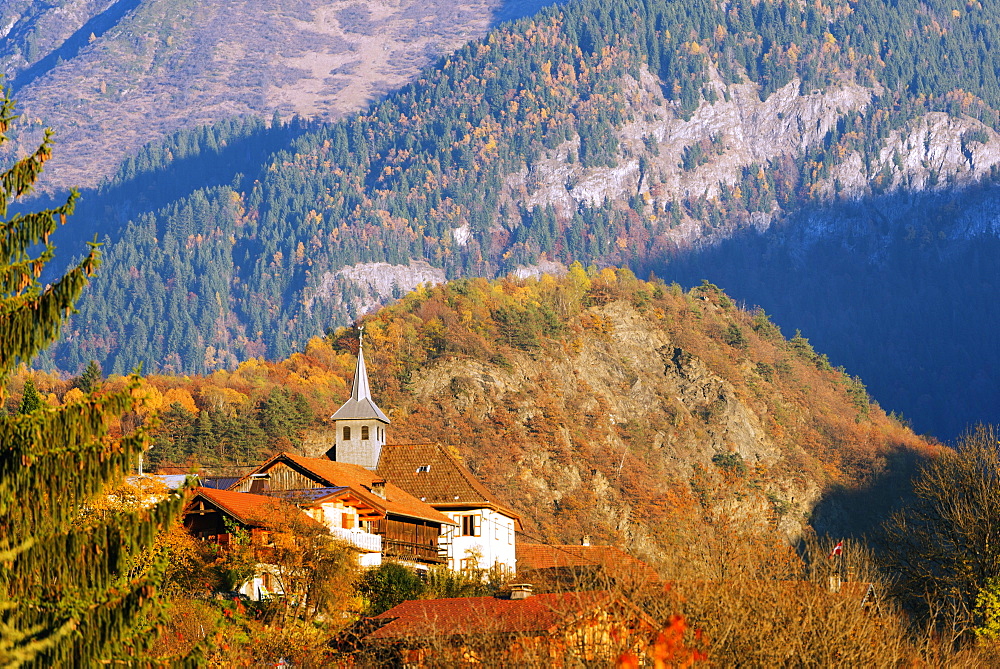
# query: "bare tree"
[[943, 547]]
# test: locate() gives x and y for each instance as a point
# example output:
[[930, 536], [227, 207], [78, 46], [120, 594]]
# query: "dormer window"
[[423, 469], [347, 433], [364, 432]]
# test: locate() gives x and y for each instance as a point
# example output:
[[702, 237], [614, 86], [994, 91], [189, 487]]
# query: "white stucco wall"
[[495, 542], [333, 514], [358, 451]]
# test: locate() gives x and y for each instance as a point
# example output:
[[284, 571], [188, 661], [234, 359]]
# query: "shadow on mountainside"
[[512, 10], [237, 159], [96, 26], [899, 289], [858, 512]]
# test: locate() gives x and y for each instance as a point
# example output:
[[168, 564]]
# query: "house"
[[481, 533], [220, 516], [556, 629], [583, 567], [344, 512], [356, 500]]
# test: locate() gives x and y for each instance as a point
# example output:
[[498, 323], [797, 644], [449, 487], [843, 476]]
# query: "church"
[[413, 503], [483, 530]]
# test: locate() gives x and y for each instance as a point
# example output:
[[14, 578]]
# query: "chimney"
[[586, 539], [520, 590], [378, 488]]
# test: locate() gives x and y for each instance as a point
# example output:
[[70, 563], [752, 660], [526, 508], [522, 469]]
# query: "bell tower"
[[359, 424]]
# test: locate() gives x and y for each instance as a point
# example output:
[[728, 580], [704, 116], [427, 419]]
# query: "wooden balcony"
[[405, 550], [365, 541], [405, 540]]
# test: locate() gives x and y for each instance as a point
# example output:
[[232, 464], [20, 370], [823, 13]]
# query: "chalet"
[[557, 629], [213, 515], [344, 512], [484, 529], [481, 533], [357, 500]]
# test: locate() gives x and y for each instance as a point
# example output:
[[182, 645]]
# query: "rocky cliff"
[[671, 425], [933, 152]]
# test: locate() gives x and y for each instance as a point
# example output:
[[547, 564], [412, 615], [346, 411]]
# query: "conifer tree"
[[91, 378], [30, 400], [66, 598]]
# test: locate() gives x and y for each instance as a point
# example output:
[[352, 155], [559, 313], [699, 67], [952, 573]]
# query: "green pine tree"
[[91, 378], [30, 400], [66, 598]]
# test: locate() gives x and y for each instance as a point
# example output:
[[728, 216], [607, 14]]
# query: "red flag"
[[837, 550]]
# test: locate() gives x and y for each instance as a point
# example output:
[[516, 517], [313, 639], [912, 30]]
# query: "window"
[[471, 526], [347, 521], [347, 433], [469, 564], [423, 469], [364, 432]]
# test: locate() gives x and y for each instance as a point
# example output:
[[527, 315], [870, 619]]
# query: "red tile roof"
[[484, 615], [252, 510], [341, 474], [531, 557], [430, 472]]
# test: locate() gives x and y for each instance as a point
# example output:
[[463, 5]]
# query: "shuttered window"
[[471, 526]]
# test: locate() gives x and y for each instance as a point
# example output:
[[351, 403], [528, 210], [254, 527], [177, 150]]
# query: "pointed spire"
[[361, 390], [361, 405]]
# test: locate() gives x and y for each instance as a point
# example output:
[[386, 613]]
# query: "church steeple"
[[359, 423]]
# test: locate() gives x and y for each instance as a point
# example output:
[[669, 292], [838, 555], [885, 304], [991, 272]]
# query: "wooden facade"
[[403, 537], [407, 539], [278, 477]]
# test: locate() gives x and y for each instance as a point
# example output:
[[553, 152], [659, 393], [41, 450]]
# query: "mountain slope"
[[113, 76], [671, 422], [637, 413], [598, 132]]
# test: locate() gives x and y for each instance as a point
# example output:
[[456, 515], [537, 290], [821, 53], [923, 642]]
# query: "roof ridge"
[[359, 471]]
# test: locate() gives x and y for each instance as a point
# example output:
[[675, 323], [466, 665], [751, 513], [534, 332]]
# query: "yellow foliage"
[[226, 400], [182, 397], [73, 395], [150, 400]]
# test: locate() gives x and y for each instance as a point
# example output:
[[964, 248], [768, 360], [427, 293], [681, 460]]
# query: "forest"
[[225, 232], [820, 419]]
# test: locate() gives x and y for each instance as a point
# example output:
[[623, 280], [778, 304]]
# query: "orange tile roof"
[[341, 474], [484, 615], [531, 557], [252, 510], [436, 476]]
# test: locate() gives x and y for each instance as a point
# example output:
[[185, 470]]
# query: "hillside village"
[[418, 506], [414, 503], [400, 398]]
